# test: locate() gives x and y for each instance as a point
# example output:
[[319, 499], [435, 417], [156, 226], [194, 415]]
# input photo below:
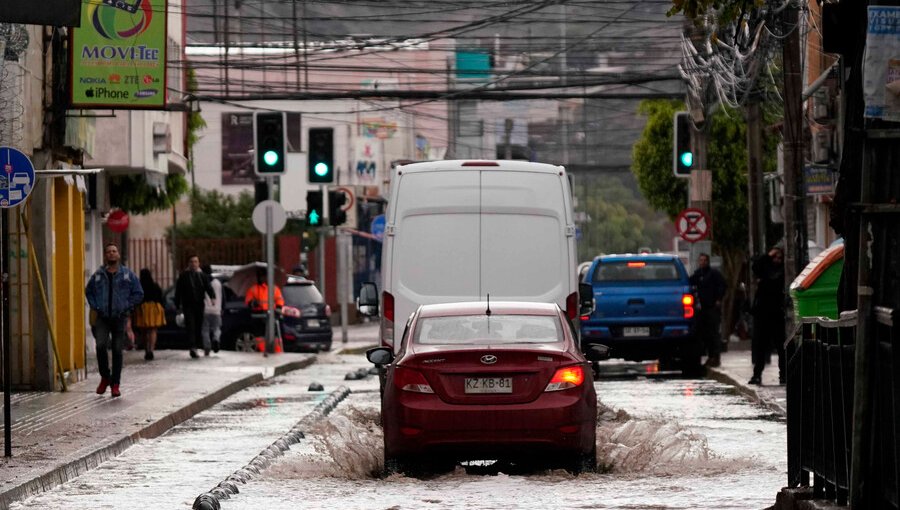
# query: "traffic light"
[[314, 209], [321, 155], [683, 156], [269, 148], [336, 200]]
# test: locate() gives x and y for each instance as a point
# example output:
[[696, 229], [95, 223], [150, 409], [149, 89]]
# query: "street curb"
[[210, 500], [89, 461], [752, 394]]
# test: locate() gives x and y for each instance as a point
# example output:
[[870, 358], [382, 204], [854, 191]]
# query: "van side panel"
[[525, 252], [436, 242]]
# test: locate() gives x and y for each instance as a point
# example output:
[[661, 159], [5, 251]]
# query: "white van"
[[462, 230]]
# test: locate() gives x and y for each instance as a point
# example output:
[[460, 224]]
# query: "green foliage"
[[620, 219], [652, 158], [195, 120], [132, 194]]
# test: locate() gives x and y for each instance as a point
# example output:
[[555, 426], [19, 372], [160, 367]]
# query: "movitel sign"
[[119, 55]]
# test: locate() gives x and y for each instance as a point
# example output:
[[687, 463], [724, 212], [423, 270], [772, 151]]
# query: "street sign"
[[117, 221], [279, 217], [692, 225], [17, 177], [350, 198], [377, 226]]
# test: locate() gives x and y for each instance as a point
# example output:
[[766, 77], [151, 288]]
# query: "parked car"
[[478, 381], [306, 318], [644, 309], [236, 321]]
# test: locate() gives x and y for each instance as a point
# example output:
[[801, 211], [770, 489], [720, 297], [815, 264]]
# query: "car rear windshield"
[[486, 330], [301, 294], [636, 271]]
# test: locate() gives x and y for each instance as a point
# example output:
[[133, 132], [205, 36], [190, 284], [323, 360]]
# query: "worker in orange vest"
[[257, 298]]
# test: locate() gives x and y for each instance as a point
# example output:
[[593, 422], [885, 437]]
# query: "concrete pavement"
[[736, 370]]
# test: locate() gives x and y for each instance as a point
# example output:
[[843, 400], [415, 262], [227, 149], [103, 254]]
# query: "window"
[[488, 329], [630, 271]]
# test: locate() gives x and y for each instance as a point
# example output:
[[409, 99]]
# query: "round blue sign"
[[17, 177], [377, 227]]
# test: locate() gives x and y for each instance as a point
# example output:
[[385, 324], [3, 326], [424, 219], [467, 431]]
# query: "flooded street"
[[663, 443]]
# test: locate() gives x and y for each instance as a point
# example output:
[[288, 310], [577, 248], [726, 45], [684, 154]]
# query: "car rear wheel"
[[245, 343], [585, 463]]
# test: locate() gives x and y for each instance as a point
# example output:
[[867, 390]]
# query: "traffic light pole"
[[323, 231], [270, 269]]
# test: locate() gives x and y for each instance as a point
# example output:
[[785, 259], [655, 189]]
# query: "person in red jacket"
[[257, 298]]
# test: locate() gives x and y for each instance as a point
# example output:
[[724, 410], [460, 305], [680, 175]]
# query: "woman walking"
[[151, 313]]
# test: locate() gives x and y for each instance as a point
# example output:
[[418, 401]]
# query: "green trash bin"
[[814, 291]]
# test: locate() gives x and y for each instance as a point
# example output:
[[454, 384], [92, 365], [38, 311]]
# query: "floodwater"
[[662, 444]]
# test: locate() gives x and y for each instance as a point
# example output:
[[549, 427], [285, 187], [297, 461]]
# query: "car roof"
[[458, 164], [298, 280], [647, 257], [497, 307]]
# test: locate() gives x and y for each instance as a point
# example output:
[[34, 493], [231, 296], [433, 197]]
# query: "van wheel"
[[244, 343]]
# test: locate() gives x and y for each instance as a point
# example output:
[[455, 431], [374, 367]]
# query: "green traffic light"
[[321, 169], [270, 157], [313, 217], [687, 159]]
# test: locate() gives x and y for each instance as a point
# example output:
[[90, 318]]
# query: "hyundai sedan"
[[488, 381]]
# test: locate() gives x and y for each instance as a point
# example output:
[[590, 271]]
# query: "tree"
[[726, 158], [132, 194]]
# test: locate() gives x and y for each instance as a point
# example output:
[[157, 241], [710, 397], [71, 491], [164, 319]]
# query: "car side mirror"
[[585, 299], [597, 352], [380, 355], [367, 302]]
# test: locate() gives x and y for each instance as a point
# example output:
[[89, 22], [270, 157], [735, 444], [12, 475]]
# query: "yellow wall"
[[68, 269]]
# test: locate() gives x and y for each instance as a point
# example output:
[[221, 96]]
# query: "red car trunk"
[[515, 375]]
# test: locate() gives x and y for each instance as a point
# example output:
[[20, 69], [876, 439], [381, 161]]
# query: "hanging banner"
[[881, 69], [118, 55]]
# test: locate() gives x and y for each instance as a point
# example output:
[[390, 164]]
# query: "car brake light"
[[565, 378], [572, 306], [327, 310], [388, 299], [480, 163], [408, 379], [688, 301], [290, 311], [637, 264], [585, 317]]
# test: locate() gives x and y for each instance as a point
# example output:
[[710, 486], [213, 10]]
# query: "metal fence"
[[156, 254], [820, 393]]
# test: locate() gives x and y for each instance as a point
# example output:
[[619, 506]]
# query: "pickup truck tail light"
[[688, 301]]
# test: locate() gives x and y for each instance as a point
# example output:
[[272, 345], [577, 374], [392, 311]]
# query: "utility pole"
[[757, 218], [507, 138], [794, 211]]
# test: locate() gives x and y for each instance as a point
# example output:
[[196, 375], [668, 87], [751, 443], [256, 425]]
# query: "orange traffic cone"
[[261, 344], [279, 347]]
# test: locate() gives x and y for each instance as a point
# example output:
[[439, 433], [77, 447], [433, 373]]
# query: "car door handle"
[[635, 301]]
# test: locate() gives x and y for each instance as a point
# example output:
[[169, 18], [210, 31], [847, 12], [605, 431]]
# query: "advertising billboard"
[[119, 55]]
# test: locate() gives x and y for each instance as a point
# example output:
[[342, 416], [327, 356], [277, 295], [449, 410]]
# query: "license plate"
[[489, 385], [636, 332], [312, 323]]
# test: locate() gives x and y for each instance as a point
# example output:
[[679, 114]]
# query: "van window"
[[630, 271]]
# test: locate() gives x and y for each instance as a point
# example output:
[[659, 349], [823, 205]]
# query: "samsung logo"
[[146, 93]]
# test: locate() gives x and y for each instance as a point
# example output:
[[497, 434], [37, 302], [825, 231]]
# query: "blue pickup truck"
[[644, 309]]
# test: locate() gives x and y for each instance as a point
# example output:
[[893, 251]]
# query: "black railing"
[[821, 361]]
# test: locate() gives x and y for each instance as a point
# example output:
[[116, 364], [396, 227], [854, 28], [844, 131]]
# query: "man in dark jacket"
[[710, 287], [768, 313], [190, 290], [112, 292]]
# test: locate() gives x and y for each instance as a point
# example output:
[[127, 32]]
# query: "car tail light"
[[388, 299], [565, 378], [327, 310], [688, 301], [408, 379], [585, 317], [572, 305], [290, 311]]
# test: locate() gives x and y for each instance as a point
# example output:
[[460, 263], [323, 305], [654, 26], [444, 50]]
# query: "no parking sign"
[[692, 225]]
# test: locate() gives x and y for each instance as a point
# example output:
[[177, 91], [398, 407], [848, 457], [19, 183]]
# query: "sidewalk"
[[736, 370], [58, 436]]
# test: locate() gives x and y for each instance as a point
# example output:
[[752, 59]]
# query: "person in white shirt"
[[211, 331]]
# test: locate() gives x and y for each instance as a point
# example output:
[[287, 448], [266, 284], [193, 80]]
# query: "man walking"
[[212, 313], [112, 292], [768, 313], [191, 289], [710, 287]]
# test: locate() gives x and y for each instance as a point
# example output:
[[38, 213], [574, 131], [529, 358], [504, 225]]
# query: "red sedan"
[[488, 381]]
